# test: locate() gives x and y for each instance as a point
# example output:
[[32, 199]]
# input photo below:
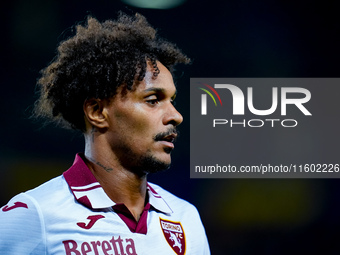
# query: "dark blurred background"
[[225, 39]]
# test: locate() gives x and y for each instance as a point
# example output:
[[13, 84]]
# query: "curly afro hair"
[[97, 60]]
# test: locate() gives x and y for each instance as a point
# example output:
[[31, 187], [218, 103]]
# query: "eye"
[[152, 100]]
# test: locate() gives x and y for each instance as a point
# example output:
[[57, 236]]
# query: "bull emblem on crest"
[[174, 234]]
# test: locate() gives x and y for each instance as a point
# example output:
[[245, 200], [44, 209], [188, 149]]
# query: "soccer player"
[[113, 82]]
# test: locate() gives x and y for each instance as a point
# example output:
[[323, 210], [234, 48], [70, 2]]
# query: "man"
[[112, 81]]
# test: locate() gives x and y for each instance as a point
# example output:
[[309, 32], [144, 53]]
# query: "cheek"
[[135, 125], [135, 122]]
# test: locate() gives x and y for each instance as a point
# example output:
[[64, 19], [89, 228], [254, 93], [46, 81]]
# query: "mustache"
[[171, 131]]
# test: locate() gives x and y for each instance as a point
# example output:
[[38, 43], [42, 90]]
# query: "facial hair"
[[147, 163], [144, 164]]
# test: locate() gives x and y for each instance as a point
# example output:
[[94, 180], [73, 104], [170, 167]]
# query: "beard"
[[147, 163], [142, 164], [150, 164]]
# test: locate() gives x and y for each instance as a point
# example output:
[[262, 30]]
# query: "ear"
[[95, 112]]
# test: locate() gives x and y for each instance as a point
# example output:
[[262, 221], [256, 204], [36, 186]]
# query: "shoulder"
[[168, 196], [178, 205], [54, 187], [25, 215], [19, 219], [30, 203]]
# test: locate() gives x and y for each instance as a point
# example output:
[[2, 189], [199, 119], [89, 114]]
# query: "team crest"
[[174, 234]]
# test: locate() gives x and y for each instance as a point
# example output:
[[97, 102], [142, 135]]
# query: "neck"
[[120, 184]]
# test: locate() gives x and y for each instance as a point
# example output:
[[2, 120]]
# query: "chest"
[[95, 233]]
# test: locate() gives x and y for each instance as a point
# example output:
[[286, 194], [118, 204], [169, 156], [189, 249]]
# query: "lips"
[[168, 138], [168, 141]]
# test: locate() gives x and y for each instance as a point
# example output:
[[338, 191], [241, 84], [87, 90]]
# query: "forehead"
[[162, 83], [163, 80]]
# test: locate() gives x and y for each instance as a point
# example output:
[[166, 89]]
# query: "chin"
[[151, 164]]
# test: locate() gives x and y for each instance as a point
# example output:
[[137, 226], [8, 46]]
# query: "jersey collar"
[[87, 190]]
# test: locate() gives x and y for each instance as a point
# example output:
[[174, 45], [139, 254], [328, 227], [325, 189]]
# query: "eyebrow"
[[159, 90]]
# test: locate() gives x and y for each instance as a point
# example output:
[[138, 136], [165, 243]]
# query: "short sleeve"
[[21, 227]]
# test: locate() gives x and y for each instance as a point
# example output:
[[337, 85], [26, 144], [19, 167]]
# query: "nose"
[[172, 116]]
